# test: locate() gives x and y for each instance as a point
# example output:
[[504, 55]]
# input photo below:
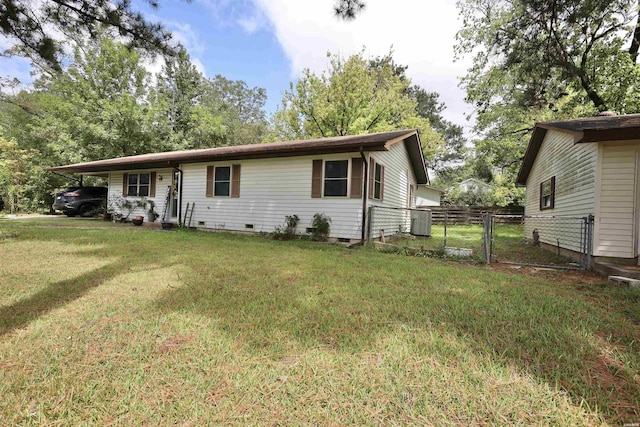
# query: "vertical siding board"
[[615, 222]]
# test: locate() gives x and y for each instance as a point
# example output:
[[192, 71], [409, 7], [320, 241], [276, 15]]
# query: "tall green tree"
[[429, 106], [42, 27], [99, 107], [351, 97], [535, 52], [538, 60], [202, 112], [24, 184], [241, 107]]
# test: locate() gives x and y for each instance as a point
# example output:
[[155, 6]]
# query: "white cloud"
[[250, 25], [242, 13], [421, 34], [187, 36], [199, 65]]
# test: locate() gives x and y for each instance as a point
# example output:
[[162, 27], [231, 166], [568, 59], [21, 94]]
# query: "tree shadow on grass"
[[54, 296], [560, 340]]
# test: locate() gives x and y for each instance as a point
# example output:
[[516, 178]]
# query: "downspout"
[[179, 195], [364, 194]]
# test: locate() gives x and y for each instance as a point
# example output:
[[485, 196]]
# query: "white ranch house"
[[587, 166], [253, 187]]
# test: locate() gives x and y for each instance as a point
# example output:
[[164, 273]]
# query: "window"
[[336, 177], [222, 181], [376, 180], [138, 184], [548, 193]]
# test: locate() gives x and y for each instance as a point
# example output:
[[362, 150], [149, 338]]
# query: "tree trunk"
[[635, 40]]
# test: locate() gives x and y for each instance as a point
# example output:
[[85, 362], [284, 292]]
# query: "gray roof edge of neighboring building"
[[588, 129], [602, 122], [339, 144]]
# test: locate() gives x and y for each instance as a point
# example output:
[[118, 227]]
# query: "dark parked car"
[[82, 201]]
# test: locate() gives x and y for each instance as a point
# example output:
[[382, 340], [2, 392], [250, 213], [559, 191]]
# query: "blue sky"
[[267, 43], [222, 39]]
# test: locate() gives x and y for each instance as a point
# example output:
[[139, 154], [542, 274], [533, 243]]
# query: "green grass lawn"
[[509, 244], [120, 325]]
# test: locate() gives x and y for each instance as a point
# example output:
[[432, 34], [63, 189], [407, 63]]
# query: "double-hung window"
[[548, 193], [138, 184], [222, 181], [376, 180], [336, 177]]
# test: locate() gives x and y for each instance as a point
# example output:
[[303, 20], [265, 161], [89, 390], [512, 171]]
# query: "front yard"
[[111, 324]]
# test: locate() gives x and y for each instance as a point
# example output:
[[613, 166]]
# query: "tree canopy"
[[348, 9], [42, 27], [539, 60], [353, 96], [549, 49], [106, 104]]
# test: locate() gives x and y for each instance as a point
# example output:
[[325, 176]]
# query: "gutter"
[[364, 193]]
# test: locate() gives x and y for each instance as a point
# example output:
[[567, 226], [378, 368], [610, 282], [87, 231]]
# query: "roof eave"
[[185, 157]]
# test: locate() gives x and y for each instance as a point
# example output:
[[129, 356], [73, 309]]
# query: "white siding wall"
[[574, 166], [115, 189], [398, 175], [614, 234], [427, 197], [270, 189]]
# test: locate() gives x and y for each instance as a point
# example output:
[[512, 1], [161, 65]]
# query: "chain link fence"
[[415, 231], [387, 222], [534, 240], [544, 240]]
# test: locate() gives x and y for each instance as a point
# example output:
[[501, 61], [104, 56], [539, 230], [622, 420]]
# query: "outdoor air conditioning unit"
[[421, 222]]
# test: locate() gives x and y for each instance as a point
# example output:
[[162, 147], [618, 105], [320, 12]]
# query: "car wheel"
[[86, 211]]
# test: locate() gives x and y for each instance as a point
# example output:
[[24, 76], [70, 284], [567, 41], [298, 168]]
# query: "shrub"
[[320, 227], [288, 231]]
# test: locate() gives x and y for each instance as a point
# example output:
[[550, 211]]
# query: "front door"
[[175, 193]]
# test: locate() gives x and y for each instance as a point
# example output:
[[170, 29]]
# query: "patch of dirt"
[[574, 276], [175, 343], [624, 398]]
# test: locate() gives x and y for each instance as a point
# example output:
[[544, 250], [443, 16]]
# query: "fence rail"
[[473, 214], [561, 239], [540, 240]]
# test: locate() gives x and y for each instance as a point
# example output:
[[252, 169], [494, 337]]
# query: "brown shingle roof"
[[590, 129], [339, 144]]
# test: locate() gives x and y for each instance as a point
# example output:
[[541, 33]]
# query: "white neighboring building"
[[587, 166], [427, 196], [471, 184], [253, 187]]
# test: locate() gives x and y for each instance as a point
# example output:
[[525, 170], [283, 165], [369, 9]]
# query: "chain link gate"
[[553, 241]]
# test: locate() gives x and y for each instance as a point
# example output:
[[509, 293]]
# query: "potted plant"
[[152, 215], [138, 220]]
